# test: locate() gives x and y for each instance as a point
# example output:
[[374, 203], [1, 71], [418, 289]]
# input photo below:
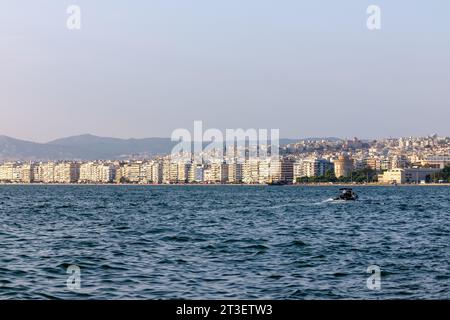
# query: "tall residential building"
[[157, 172], [235, 172], [10, 172], [48, 172], [250, 171], [66, 172], [183, 172], [147, 172], [173, 172], [27, 170], [38, 172], [216, 172], [298, 170], [98, 172], [196, 173], [264, 171], [313, 167], [106, 173], [281, 170], [87, 172], [132, 172], [166, 165], [119, 175]]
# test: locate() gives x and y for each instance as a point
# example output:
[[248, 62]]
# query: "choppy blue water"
[[206, 242]]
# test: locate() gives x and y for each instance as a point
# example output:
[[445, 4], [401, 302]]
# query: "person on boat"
[[347, 194]]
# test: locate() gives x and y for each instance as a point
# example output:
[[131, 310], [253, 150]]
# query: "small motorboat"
[[347, 194]]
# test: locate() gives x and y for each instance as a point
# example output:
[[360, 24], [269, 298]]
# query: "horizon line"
[[159, 137]]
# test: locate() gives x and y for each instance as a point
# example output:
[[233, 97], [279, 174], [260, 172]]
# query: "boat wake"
[[324, 201]]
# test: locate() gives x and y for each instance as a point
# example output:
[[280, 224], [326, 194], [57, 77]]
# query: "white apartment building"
[[264, 171], [196, 173], [250, 171], [216, 173], [48, 172], [313, 167], [66, 172], [235, 172], [183, 172], [10, 172], [157, 172], [132, 172], [27, 173]]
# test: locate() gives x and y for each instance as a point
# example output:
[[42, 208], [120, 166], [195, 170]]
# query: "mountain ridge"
[[90, 147]]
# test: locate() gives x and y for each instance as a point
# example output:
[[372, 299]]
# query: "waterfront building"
[[87, 172], [10, 172], [132, 172], [119, 170], [208, 176], [196, 173], [408, 175], [235, 172], [314, 167], [264, 171], [147, 172], [157, 172], [343, 166], [183, 172], [66, 172], [298, 171], [166, 164], [48, 172], [218, 173], [106, 173], [38, 172], [27, 173], [281, 170], [250, 172], [173, 172]]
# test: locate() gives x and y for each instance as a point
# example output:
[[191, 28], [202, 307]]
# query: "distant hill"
[[90, 147], [84, 147], [94, 147], [15, 149]]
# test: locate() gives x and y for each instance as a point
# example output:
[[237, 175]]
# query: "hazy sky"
[[145, 68]]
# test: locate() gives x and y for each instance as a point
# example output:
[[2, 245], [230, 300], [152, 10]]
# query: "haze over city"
[[144, 69]]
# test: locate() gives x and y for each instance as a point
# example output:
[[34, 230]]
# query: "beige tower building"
[[343, 166]]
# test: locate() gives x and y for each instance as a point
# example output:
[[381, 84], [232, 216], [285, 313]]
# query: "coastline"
[[320, 184]]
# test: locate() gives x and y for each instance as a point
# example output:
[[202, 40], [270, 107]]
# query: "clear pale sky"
[[145, 68]]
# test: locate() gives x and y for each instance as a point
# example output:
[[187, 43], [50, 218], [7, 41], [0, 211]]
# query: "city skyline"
[[142, 70], [405, 160]]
